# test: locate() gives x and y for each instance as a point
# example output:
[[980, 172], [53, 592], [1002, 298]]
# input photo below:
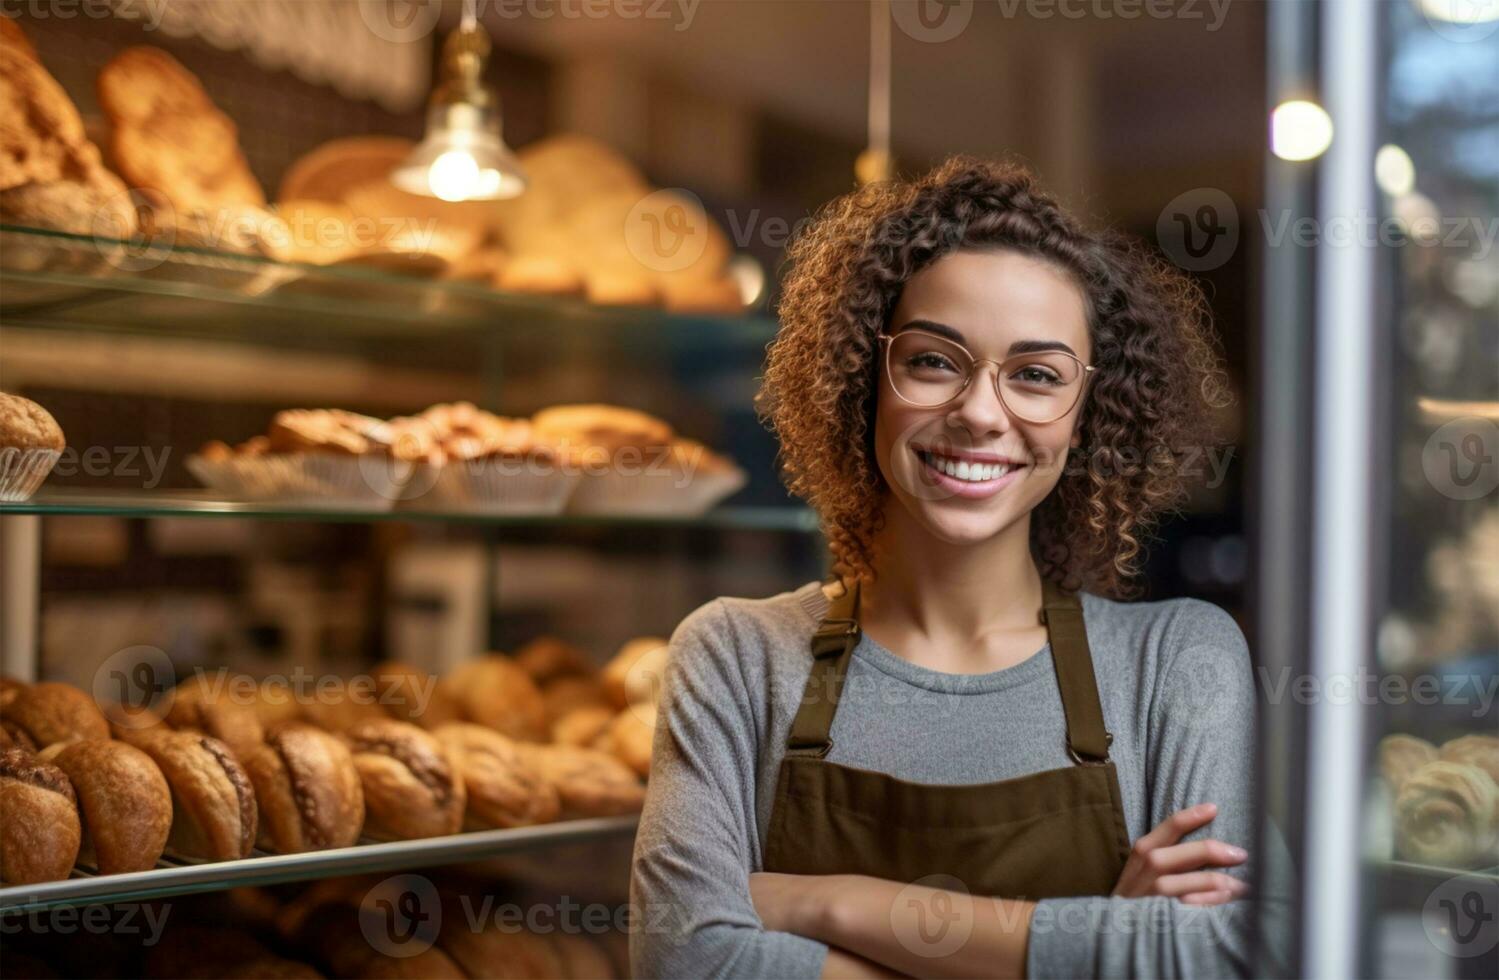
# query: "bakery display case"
[[1380, 592], [264, 463]]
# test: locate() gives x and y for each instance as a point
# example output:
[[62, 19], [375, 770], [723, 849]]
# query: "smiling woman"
[[962, 377]]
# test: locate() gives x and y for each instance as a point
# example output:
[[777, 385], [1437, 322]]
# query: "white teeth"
[[964, 470]]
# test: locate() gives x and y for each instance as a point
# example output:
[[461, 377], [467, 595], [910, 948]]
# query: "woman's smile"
[[970, 475]]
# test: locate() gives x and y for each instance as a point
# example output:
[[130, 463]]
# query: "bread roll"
[[307, 790], [124, 801], [635, 674], [547, 658], [53, 712], [412, 788], [338, 705], [566, 695], [1474, 750], [503, 787], [1401, 755], [495, 692], [583, 726], [216, 704], [1444, 815], [629, 737], [40, 832], [588, 782], [9, 688], [410, 694], [214, 816]]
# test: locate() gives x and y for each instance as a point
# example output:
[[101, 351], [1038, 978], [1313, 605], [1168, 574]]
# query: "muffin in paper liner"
[[23, 470], [679, 488], [326, 479], [491, 486]]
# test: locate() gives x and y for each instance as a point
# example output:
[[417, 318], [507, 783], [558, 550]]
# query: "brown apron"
[[1050, 834]]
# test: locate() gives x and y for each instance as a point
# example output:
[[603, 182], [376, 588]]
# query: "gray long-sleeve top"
[[1175, 681]]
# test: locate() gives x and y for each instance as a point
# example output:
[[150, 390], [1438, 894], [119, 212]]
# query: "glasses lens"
[[1040, 387], [927, 370]]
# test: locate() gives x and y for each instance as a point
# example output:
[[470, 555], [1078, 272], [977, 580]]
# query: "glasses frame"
[[887, 340]]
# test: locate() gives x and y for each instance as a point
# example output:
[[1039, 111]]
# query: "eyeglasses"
[[928, 371]]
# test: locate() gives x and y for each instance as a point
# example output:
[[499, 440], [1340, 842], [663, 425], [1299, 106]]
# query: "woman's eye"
[[1036, 376], [931, 361]]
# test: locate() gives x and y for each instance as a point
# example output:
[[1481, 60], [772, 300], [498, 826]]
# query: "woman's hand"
[[787, 903], [1160, 865]]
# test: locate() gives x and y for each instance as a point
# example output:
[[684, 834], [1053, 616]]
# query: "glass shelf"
[[173, 503], [174, 878], [66, 281]]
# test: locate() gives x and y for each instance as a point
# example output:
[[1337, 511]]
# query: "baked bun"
[[167, 135], [51, 712], [412, 788], [275, 704], [493, 691], [42, 138], [488, 952], [1475, 750], [634, 675], [124, 800], [12, 37], [1444, 815], [607, 426], [547, 658], [588, 782], [339, 705], [9, 688], [202, 703], [40, 832], [565, 695], [307, 790], [1401, 755], [410, 694], [96, 203], [582, 726], [629, 737], [214, 816], [504, 789]]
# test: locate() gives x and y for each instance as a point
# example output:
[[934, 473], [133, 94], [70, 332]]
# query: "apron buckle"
[[1108, 740]]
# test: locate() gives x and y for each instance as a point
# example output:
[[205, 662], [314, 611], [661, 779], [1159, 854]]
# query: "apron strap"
[[1087, 740], [832, 646]]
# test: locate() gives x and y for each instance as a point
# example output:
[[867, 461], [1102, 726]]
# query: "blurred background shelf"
[[266, 869], [184, 503]]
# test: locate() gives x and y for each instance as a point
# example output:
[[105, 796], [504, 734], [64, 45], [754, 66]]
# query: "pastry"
[[635, 674], [53, 712], [214, 815], [568, 694], [582, 726], [15, 39], [327, 172], [493, 691], [1444, 815], [1401, 755], [607, 426], [412, 788], [31, 442], [504, 789], [629, 737], [413, 695], [322, 232], [307, 791], [547, 658], [275, 704], [96, 203], [167, 135], [1475, 750], [339, 705], [41, 134], [124, 801], [491, 953], [588, 782], [40, 834], [126, 720], [9, 688], [212, 704], [332, 928]]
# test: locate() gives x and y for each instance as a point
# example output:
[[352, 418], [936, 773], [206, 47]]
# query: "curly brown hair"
[[1158, 366]]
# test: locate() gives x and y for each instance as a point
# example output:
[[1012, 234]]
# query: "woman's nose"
[[979, 408]]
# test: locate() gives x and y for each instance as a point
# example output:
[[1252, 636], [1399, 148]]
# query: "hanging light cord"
[[470, 15], [879, 77]]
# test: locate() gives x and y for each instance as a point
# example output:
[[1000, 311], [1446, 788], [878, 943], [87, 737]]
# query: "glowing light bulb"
[[454, 176], [1300, 130], [1394, 170]]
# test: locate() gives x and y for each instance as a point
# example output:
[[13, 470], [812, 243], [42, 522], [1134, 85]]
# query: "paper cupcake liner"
[[23, 470], [490, 487], [648, 494], [311, 478]]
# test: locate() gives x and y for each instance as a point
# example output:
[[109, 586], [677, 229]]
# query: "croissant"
[[1401, 755], [1444, 815], [1475, 750]]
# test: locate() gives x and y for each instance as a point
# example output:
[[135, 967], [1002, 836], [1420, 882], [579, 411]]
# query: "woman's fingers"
[[1175, 827], [1194, 855], [1208, 898], [1196, 882]]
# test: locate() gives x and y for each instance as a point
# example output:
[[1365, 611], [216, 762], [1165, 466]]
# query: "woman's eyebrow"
[[1037, 346], [956, 336]]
